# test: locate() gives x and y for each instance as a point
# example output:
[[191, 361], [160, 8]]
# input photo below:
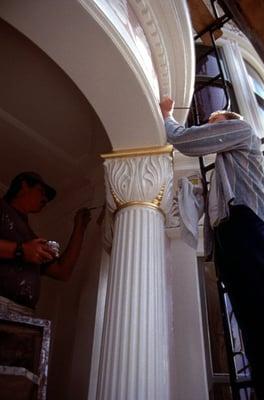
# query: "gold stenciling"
[[118, 202], [154, 204], [145, 151], [146, 204], [157, 201]]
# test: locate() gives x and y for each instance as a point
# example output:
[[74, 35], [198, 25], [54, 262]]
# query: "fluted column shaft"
[[134, 354]]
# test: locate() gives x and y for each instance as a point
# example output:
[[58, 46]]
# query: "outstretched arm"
[[62, 268], [204, 139]]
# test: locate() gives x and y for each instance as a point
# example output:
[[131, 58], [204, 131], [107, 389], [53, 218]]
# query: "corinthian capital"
[[139, 180]]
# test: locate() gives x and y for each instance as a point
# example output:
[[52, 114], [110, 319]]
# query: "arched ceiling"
[[91, 58], [46, 123], [47, 114]]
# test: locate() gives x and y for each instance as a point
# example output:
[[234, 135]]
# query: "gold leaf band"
[[146, 204], [145, 151]]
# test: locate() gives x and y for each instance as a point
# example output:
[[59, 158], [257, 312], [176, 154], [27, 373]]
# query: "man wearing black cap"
[[24, 256]]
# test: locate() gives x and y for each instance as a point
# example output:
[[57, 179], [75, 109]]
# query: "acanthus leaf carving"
[[146, 179]]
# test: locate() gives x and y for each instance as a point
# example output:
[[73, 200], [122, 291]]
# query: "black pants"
[[239, 257]]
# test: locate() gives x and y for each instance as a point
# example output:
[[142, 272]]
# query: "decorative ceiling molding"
[[124, 19], [96, 11], [102, 12], [152, 31], [103, 54], [168, 28], [89, 49]]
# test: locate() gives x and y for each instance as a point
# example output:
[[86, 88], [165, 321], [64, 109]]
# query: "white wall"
[[71, 307], [188, 366]]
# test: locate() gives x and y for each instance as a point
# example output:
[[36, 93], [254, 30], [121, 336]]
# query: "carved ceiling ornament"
[[130, 27], [168, 29], [151, 28], [150, 37], [120, 7], [137, 19], [156, 40]]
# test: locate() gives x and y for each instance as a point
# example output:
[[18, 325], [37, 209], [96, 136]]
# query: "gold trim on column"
[[157, 201], [145, 151], [154, 204], [146, 204], [118, 202]]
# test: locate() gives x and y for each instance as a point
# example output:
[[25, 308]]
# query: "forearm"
[[208, 138], [63, 267], [33, 251], [7, 249]]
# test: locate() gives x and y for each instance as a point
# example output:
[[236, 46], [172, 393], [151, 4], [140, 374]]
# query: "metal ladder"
[[236, 382]]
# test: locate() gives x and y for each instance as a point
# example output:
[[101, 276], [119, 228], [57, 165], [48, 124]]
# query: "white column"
[[134, 352], [243, 88]]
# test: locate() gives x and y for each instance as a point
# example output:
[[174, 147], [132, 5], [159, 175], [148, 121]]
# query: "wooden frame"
[[24, 353]]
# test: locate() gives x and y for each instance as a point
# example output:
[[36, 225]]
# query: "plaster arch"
[[125, 106], [116, 88]]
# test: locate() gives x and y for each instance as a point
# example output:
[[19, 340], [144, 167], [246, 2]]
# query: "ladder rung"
[[207, 83], [208, 167], [217, 24]]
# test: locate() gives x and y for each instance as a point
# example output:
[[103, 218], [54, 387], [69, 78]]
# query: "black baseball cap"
[[32, 178]]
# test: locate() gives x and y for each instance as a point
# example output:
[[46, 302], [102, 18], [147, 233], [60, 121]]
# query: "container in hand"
[[54, 246]]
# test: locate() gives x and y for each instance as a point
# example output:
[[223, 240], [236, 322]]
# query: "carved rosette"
[[141, 180]]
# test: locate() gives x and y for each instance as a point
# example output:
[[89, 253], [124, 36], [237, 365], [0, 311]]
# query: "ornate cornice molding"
[[150, 25], [168, 31], [168, 28]]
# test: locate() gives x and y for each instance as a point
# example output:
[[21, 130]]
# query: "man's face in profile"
[[35, 196]]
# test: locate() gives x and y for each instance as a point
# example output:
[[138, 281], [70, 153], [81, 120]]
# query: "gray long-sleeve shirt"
[[239, 174]]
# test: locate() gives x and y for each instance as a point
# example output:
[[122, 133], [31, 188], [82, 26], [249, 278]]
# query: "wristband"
[[19, 251]]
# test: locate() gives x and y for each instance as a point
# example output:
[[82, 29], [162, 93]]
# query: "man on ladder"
[[235, 215]]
